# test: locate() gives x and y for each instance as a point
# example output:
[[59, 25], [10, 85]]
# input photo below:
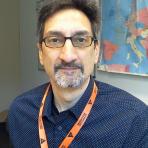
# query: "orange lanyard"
[[75, 129]]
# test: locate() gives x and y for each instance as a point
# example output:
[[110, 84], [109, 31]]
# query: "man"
[[74, 110]]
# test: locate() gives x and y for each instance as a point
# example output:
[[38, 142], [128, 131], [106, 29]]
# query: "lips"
[[69, 71], [68, 67]]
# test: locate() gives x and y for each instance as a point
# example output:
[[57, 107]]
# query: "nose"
[[68, 52]]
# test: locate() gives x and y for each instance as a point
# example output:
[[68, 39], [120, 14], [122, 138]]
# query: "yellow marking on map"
[[139, 54], [128, 56]]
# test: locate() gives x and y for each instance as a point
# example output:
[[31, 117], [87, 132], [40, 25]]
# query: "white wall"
[[9, 52], [136, 85], [31, 76]]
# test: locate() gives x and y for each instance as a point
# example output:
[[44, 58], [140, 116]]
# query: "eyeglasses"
[[80, 41]]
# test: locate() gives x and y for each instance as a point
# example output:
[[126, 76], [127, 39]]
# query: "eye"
[[53, 40], [81, 39]]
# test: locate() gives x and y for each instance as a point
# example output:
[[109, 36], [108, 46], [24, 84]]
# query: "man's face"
[[68, 66]]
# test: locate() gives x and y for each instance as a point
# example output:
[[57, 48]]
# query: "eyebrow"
[[81, 33], [57, 33]]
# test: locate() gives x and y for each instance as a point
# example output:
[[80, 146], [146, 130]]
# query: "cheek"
[[89, 61], [49, 59]]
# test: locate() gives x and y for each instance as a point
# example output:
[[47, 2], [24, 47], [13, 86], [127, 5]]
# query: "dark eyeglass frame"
[[70, 38]]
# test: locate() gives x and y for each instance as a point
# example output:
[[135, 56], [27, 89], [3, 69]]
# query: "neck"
[[65, 98]]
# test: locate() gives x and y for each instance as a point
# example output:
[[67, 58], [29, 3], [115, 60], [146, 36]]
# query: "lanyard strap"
[[74, 130]]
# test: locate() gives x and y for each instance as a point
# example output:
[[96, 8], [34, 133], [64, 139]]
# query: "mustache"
[[70, 65]]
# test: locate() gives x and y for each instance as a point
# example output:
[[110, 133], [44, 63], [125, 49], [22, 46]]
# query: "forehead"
[[68, 21]]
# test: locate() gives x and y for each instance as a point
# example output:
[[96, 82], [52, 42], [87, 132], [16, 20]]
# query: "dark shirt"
[[4, 138], [116, 120]]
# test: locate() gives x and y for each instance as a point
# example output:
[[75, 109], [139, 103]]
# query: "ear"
[[40, 53], [97, 50]]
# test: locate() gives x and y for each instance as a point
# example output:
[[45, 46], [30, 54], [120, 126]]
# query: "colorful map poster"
[[124, 37]]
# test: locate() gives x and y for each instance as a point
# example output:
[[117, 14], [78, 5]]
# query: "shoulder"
[[23, 115], [123, 110], [28, 100], [119, 99]]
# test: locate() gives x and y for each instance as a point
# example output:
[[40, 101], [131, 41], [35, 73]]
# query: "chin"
[[64, 81]]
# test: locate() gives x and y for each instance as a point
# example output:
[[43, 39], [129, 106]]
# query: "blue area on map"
[[115, 14]]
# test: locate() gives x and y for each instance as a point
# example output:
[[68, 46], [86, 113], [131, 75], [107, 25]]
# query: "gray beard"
[[72, 80]]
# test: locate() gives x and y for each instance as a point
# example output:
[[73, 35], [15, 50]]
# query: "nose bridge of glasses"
[[68, 52], [68, 48], [68, 39]]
